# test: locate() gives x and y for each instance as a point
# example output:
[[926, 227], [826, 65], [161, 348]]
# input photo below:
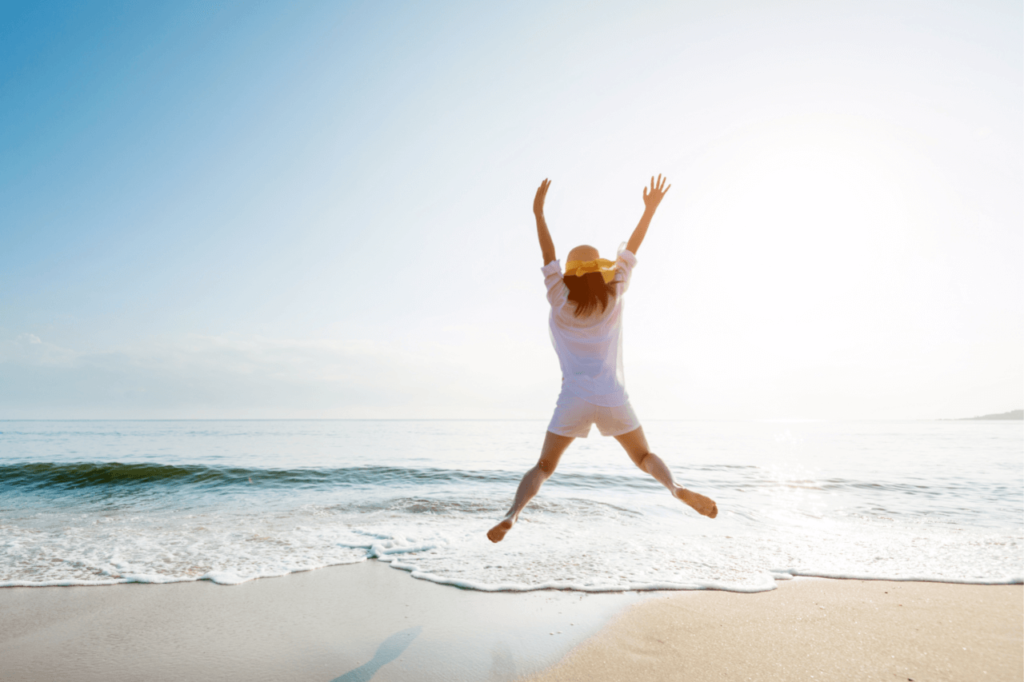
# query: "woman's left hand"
[[656, 194], [538, 201]]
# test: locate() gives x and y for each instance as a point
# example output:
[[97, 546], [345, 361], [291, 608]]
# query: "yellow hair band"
[[583, 267]]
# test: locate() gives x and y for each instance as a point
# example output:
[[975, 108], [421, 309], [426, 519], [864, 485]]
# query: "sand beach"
[[812, 629], [372, 622]]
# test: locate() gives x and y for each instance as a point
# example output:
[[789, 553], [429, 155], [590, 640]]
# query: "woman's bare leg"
[[550, 454], [636, 447]]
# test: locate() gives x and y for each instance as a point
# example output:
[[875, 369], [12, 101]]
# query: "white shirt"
[[589, 348]]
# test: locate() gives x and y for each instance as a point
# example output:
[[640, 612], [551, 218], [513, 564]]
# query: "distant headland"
[[1012, 414]]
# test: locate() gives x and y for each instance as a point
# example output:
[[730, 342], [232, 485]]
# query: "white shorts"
[[574, 415]]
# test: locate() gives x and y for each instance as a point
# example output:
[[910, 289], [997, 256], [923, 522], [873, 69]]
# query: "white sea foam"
[[861, 503], [126, 551], [549, 553]]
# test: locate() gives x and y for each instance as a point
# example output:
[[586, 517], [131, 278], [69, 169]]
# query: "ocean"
[[103, 502]]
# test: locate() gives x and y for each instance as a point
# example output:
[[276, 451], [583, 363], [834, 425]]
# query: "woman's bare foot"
[[497, 534], [701, 504]]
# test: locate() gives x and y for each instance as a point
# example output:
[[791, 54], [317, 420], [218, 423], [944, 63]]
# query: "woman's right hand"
[[538, 201], [657, 193]]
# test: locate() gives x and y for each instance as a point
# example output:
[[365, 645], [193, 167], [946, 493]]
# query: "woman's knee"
[[547, 466], [639, 460]]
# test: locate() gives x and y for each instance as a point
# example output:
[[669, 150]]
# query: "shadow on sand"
[[390, 649]]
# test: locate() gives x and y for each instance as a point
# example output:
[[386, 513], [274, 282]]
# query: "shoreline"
[[774, 578], [369, 620], [346, 623]]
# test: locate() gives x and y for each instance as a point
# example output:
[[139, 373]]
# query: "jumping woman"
[[586, 330]]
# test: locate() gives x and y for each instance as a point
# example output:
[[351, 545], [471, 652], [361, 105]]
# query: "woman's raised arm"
[[651, 201], [547, 247]]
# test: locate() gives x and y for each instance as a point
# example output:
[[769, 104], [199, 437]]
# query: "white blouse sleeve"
[[624, 269], [557, 291]]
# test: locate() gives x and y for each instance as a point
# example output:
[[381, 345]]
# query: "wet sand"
[[348, 623], [369, 621]]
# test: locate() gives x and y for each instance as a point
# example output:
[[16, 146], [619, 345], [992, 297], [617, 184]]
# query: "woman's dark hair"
[[588, 291]]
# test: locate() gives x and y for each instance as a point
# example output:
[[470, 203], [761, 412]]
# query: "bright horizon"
[[324, 211]]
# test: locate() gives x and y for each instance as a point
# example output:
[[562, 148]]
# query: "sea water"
[[101, 502]]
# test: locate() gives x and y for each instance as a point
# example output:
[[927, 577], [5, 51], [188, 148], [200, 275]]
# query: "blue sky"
[[323, 209]]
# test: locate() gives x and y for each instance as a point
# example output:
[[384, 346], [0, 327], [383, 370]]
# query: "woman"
[[586, 330]]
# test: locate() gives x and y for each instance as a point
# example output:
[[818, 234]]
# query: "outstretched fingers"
[[542, 193], [656, 191], [658, 185]]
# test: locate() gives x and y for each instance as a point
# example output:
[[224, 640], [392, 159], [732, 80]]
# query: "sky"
[[323, 209]]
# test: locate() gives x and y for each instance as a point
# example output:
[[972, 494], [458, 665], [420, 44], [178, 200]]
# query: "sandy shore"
[[369, 621], [812, 629], [347, 623]]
